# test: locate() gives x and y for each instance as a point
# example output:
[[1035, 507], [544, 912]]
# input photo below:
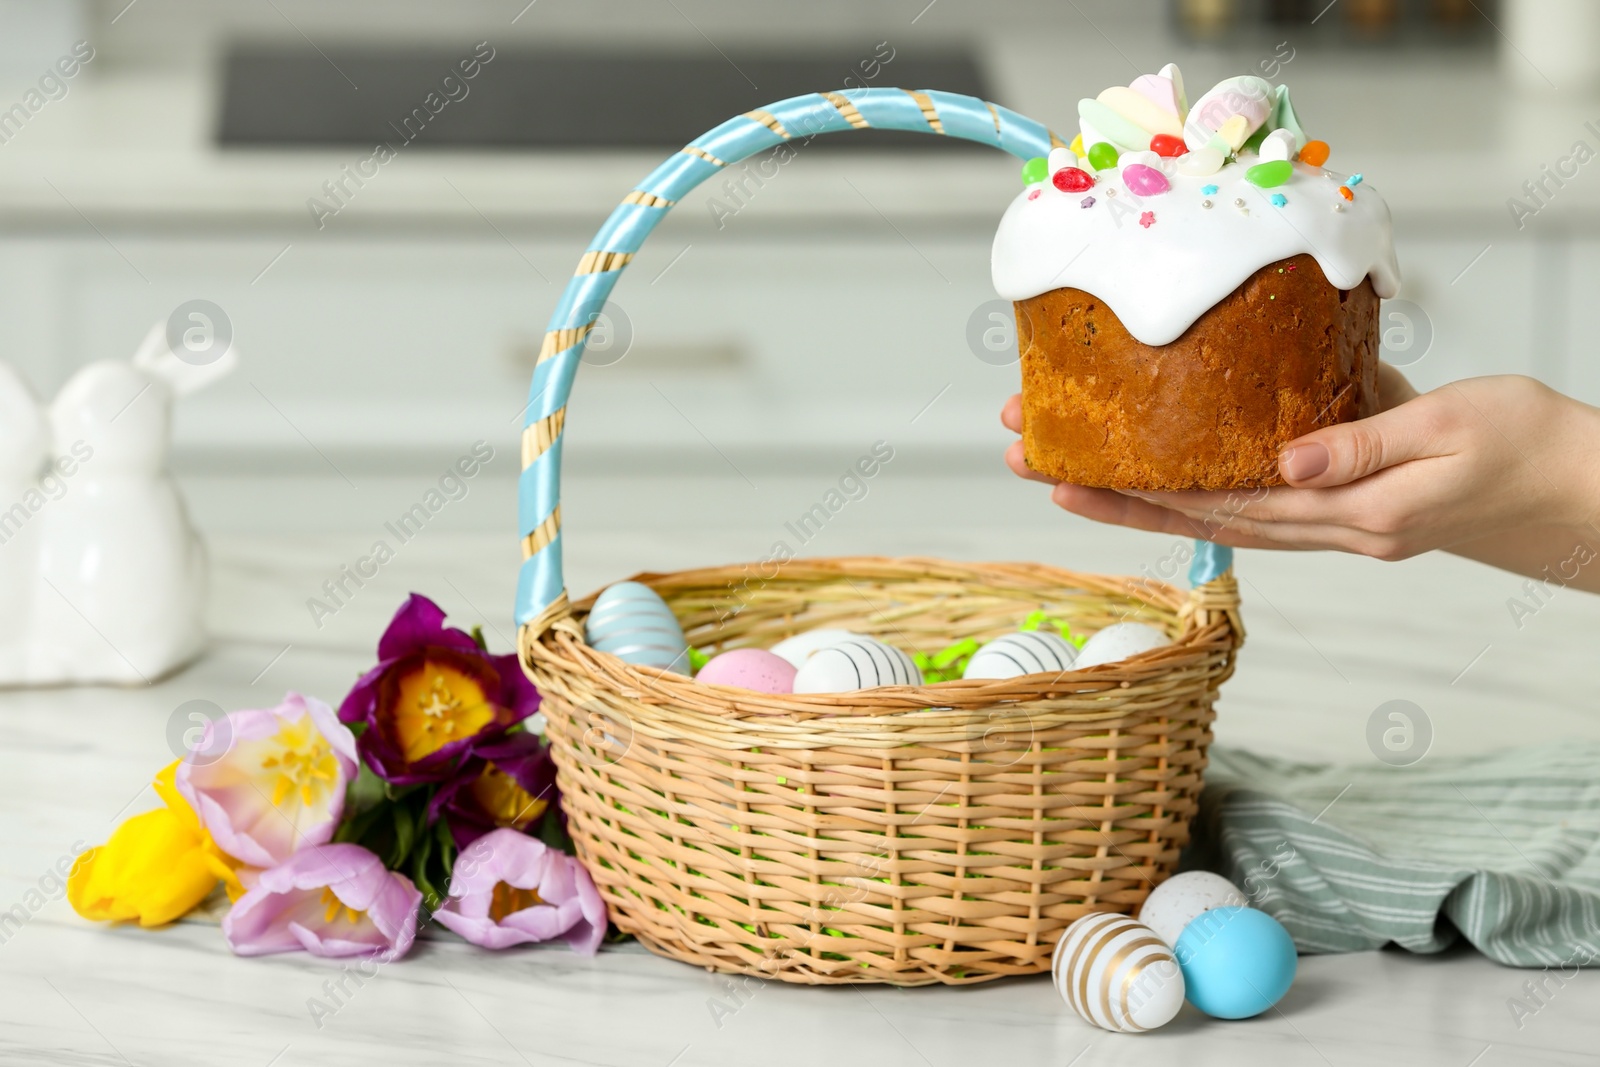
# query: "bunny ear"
[[155, 357]]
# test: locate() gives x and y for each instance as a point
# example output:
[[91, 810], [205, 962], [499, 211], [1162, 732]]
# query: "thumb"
[[1337, 455]]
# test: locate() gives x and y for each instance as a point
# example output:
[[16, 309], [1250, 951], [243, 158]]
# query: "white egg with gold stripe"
[[1117, 974]]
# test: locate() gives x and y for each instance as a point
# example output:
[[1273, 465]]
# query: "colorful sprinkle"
[[1267, 175], [1033, 194], [1315, 153], [1144, 181], [1071, 180], [1164, 144], [1354, 179], [1278, 200], [1208, 190], [1291, 268], [1111, 192], [1103, 156], [1344, 191], [1034, 170], [1148, 219], [1087, 201], [1205, 204], [1272, 296], [1238, 201]]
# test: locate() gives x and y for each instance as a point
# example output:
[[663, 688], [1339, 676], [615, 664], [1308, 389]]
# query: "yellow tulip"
[[157, 866]]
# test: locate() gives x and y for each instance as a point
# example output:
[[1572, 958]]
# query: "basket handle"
[[541, 588]]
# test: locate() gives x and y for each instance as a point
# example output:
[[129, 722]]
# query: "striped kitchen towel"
[[1501, 848]]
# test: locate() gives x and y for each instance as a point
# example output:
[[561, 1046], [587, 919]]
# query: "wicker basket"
[[909, 835]]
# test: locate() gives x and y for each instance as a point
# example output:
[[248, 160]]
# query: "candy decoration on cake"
[[754, 669], [1117, 975], [632, 622], [1026, 652], [798, 648], [1175, 903], [1119, 641], [1237, 962], [857, 662], [1314, 154], [1158, 280]]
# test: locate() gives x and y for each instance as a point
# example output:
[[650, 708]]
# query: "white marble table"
[[1330, 639]]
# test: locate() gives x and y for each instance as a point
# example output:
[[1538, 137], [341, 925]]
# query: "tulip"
[[279, 785], [155, 868], [328, 900], [508, 889], [508, 783], [433, 698]]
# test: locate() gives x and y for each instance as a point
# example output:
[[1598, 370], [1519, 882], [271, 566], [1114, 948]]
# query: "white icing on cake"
[[1159, 272]]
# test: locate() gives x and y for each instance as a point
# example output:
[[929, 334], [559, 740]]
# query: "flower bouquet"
[[341, 834]]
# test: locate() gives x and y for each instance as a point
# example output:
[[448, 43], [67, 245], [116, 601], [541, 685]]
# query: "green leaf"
[[477, 638]]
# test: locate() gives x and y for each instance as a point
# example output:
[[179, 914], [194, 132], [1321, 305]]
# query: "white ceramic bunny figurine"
[[118, 572]]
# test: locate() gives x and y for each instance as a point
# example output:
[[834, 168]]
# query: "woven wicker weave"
[[908, 835], [946, 833]]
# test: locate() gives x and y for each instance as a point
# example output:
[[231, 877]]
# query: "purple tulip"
[[508, 783], [278, 785], [433, 698], [508, 889], [333, 900]]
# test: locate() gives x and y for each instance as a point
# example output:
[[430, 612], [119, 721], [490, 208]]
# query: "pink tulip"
[[278, 784], [508, 888], [330, 900]]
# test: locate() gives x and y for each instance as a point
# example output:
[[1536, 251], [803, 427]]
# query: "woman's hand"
[[1502, 469]]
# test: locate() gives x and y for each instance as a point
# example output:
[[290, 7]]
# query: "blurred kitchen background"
[[766, 335], [829, 306]]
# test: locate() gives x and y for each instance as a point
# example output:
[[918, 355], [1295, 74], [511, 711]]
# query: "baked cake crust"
[[1285, 353]]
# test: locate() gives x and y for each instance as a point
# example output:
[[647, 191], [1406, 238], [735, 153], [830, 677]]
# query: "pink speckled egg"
[[755, 669]]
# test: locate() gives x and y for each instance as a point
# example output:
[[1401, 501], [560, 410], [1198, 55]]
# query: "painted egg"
[[857, 662], [632, 622], [1116, 974], [1143, 180], [1178, 901], [796, 649], [1119, 641], [1201, 162], [755, 669], [1248, 97], [1279, 144], [1236, 962], [1024, 652]]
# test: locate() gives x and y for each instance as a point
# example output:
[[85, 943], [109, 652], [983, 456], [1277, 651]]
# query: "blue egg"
[[632, 622], [1236, 962]]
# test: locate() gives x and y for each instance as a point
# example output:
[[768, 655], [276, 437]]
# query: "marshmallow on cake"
[[1193, 289]]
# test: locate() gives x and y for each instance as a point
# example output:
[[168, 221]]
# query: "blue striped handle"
[[541, 589]]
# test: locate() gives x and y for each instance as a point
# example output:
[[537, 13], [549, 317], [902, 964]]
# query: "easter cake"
[[1193, 289]]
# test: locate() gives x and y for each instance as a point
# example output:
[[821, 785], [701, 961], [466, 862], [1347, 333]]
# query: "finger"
[[1011, 414], [1019, 466], [1113, 508], [1338, 455], [1393, 388]]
